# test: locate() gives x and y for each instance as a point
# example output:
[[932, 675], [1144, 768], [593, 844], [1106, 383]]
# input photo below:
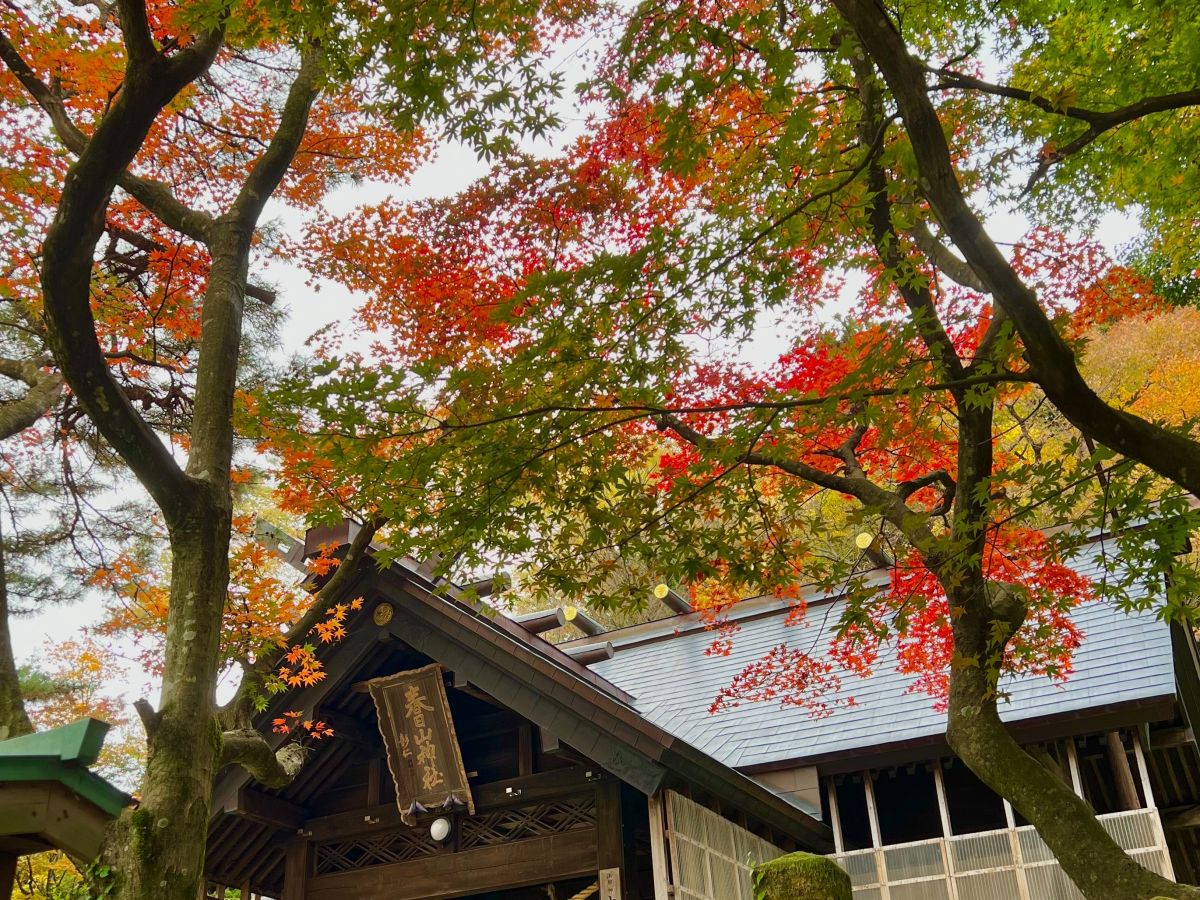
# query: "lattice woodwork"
[[503, 826], [374, 850], [507, 825]]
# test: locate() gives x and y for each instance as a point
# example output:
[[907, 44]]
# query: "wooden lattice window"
[[501, 826], [507, 825], [373, 850]]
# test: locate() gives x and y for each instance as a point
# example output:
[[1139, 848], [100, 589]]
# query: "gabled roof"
[[63, 754], [1123, 671], [533, 678]]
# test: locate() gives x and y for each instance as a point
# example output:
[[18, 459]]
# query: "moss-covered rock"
[[801, 876]]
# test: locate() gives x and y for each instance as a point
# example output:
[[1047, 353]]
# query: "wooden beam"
[[939, 785], [542, 621], [1181, 817], [351, 728], [1118, 761], [274, 812], [1165, 738], [1073, 765], [549, 858], [488, 586], [584, 622], [676, 602], [586, 656], [1143, 770], [872, 809], [495, 795]]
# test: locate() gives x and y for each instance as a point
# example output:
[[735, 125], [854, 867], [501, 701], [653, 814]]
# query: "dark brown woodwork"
[[353, 729], [8, 872], [295, 870], [522, 863], [586, 623], [375, 782], [610, 840], [496, 795], [1165, 738], [525, 750], [1127, 795], [265, 809], [549, 743]]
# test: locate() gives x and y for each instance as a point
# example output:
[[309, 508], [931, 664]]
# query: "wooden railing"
[[1009, 862]]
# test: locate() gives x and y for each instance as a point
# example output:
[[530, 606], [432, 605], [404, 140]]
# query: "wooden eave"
[[520, 671]]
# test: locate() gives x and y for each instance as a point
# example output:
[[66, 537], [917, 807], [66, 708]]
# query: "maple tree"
[[553, 380], [149, 137]]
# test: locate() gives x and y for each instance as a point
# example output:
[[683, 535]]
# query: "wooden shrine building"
[[593, 769], [570, 792]]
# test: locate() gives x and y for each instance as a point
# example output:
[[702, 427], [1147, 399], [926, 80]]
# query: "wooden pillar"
[[939, 787], [835, 817], [8, 873], [1014, 842], [939, 784], [1073, 764], [610, 841], [872, 810], [876, 837], [1139, 754], [1127, 795], [295, 870], [658, 848]]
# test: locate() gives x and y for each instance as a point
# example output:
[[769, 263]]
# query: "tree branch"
[[148, 85], [273, 164], [139, 44], [1172, 455], [891, 505], [918, 299], [272, 768], [44, 390], [951, 79], [153, 195], [237, 712], [946, 260]]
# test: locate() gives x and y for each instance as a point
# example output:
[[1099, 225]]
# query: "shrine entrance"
[[471, 759]]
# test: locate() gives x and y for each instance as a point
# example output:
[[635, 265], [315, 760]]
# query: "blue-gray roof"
[[1124, 657]]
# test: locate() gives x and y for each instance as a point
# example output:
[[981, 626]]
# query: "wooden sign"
[[610, 884], [422, 747]]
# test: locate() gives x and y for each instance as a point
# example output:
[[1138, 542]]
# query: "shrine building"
[[472, 758]]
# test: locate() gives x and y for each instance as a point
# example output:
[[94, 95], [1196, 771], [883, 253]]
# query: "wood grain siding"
[[518, 864]]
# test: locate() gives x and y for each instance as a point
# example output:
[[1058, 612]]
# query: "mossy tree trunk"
[[14, 720], [985, 616], [157, 850]]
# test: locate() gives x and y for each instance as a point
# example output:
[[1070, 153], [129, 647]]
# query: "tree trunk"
[[1092, 859], [13, 718], [157, 850]]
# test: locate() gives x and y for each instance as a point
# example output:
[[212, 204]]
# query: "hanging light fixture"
[[439, 829]]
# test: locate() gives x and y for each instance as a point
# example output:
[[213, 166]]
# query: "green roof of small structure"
[[64, 754]]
